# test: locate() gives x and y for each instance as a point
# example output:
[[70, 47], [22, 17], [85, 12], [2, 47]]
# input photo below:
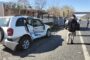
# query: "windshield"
[[4, 21]]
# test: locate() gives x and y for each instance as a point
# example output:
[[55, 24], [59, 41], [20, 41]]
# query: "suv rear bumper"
[[10, 44]]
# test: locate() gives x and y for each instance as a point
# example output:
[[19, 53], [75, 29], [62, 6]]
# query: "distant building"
[[9, 8], [1, 9]]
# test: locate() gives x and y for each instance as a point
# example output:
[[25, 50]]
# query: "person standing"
[[72, 26], [87, 23]]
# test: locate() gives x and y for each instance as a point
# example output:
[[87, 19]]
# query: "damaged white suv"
[[20, 31]]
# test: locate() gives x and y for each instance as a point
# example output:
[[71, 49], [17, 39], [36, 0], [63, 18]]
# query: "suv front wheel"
[[48, 34]]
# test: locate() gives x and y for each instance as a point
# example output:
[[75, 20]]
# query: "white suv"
[[20, 31]]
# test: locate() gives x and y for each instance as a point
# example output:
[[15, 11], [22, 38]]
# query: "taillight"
[[10, 31]]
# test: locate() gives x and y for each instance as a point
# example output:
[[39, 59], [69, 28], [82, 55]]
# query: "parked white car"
[[19, 31]]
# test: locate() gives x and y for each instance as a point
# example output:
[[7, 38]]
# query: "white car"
[[19, 31]]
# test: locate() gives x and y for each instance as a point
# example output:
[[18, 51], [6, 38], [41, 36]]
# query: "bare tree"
[[55, 11], [24, 3], [40, 4], [67, 11], [63, 12]]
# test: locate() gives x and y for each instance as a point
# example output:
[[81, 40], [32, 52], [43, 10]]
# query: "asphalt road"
[[53, 48]]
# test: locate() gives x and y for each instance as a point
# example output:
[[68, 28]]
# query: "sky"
[[78, 5]]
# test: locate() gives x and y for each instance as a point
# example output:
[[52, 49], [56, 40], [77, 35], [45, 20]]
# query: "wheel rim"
[[26, 44], [0, 36], [49, 33]]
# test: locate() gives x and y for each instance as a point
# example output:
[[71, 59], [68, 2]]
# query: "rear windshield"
[[4, 21]]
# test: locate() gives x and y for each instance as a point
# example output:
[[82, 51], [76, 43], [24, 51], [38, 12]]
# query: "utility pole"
[[63, 14], [68, 13]]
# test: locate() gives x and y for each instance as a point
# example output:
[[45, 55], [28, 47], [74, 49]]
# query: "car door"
[[30, 27], [38, 27], [19, 28]]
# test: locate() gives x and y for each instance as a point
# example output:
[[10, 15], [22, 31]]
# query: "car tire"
[[1, 34], [24, 43], [48, 34]]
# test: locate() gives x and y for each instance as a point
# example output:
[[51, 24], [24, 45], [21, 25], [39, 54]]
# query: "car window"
[[20, 22], [4, 21], [36, 22], [29, 21]]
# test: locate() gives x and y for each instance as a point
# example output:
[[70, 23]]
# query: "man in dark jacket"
[[72, 27], [72, 24]]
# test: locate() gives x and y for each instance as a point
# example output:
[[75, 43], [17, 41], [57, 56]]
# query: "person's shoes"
[[74, 33], [71, 41]]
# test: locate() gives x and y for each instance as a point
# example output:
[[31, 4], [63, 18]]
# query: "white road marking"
[[85, 52], [67, 37]]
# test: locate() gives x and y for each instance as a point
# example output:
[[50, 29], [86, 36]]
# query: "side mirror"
[[25, 21], [43, 27]]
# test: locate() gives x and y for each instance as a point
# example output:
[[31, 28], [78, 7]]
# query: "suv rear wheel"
[[24, 43]]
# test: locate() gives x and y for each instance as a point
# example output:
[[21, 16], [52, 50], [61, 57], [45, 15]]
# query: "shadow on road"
[[57, 28], [80, 44], [84, 29], [39, 46], [84, 35]]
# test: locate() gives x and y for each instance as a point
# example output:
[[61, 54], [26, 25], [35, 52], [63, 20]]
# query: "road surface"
[[54, 48]]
